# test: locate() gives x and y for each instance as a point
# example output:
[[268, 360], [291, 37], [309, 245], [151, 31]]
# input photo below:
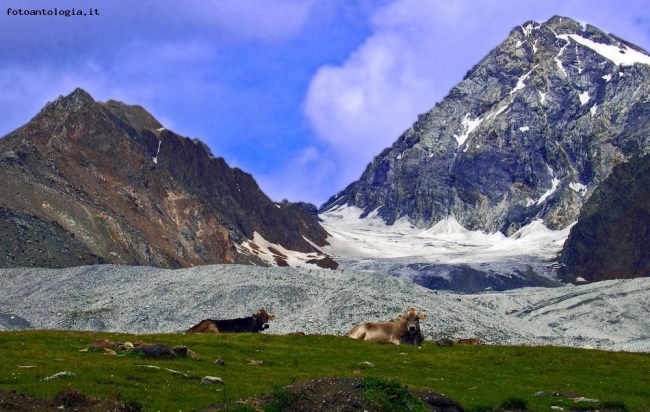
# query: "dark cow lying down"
[[255, 323], [158, 350], [406, 330]]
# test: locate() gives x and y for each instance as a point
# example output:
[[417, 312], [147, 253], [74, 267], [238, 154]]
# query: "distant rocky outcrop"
[[612, 237], [531, 131], [86, 182]]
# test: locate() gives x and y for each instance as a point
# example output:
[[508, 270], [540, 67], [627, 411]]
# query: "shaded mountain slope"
[[612, 237]]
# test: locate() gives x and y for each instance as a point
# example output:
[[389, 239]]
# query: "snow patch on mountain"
[[469, 126], [621, 55], [578, 188], [521, 82], [155, 158], [277, 255]]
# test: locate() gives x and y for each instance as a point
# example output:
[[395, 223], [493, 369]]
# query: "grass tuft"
[[614, 406], [389, 396], [281, 401], [514, 404], [125, 404], [69, 398]]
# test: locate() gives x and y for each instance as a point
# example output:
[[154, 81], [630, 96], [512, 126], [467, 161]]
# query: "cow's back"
[[382, 332], [205, 326], [358, 332]]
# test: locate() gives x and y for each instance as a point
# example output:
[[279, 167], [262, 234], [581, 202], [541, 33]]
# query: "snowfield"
[[612, 315], [446, 242], [445, 256]]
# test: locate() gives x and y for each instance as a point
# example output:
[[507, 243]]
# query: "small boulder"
[[444, 342], [155, 350], [583, 399], [59, 375], [209, 380]]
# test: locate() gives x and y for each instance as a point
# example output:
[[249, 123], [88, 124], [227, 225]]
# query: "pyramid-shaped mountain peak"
[[527, 135], [73, 101]]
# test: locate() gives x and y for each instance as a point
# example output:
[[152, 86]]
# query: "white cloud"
[[348, 105], [363, 105]]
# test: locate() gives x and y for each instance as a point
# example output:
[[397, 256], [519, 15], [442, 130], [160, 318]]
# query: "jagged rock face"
[[529, 134], [612, 237], [88, 182]]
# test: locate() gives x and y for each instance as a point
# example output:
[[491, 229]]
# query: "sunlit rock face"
[[89, 182], [529, 134]]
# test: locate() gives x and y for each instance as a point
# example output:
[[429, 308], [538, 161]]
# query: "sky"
[[302, 94]]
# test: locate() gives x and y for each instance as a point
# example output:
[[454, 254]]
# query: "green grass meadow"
[[478, 377]]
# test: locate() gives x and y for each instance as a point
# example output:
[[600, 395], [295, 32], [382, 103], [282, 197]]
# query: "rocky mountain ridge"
[[88, 182], [529, 134]]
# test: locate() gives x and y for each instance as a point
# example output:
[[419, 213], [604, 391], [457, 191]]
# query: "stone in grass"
[[583, 399], [59, 375], [209, 380]]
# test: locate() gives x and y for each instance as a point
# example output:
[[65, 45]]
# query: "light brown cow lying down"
[[405, 330]]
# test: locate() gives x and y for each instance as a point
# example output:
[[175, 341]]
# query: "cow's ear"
[[271, 316], [401, 316], [422, 316]]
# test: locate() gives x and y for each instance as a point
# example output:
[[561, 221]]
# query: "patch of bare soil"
[[66, 399], [336, 394]]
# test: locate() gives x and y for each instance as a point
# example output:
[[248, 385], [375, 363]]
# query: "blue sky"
[[302, 94]]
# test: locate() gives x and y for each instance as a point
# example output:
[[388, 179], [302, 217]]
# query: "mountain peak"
[[104, 182], [558, 23], [75, 100], [64, 105], [528, 134]]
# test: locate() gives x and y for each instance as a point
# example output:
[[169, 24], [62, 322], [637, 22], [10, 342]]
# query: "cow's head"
[[263, 317], [412, 318]]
